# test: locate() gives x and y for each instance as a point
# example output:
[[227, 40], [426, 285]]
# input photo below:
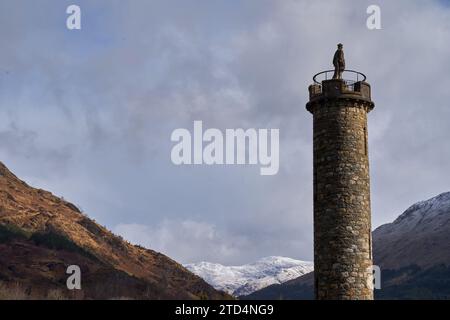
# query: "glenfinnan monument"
[[342, 223]]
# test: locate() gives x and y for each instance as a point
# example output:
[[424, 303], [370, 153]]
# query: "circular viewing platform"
[[350, 77], [352, 86]]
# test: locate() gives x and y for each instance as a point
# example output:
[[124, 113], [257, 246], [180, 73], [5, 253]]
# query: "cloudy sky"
[[88, 114]]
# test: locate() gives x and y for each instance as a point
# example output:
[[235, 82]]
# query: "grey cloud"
[[95, 110]]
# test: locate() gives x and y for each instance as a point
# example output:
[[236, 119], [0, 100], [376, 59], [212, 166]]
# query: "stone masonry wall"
[[342, 219]]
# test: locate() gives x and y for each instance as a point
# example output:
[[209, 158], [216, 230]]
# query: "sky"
[[88, 114]]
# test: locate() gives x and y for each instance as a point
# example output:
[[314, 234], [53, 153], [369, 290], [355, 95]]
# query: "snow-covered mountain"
[[419, 236], [245, 279]]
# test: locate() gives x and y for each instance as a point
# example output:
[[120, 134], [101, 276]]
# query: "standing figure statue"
[[339, 62]]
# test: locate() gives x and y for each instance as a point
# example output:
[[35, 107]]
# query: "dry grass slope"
[[41, 234]]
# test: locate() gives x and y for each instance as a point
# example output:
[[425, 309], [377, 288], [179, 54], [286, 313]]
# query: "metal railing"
[[350, 77]]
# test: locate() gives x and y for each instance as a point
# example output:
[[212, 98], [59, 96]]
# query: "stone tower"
[[342, 219]]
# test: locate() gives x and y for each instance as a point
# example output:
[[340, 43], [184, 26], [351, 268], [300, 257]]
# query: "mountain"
[[301, 288], [413, 253], [245, 279], [420, 236], [42, 234]]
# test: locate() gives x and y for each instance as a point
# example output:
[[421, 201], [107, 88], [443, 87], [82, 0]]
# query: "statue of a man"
[[339, 62]]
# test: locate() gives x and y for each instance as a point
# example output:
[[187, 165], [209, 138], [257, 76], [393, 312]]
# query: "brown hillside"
[[41, 234]]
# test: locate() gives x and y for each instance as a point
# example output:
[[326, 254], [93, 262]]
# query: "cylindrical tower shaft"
[[342, 218]]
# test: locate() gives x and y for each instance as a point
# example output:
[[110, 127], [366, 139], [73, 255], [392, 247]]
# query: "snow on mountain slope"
[[245, 279], [423, 216], [419, 236]]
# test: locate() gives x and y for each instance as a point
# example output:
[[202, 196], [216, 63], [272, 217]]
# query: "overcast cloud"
[[88, 114]]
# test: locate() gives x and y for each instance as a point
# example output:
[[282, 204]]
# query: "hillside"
[[420, 236], [41, 234], [301, 288]]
